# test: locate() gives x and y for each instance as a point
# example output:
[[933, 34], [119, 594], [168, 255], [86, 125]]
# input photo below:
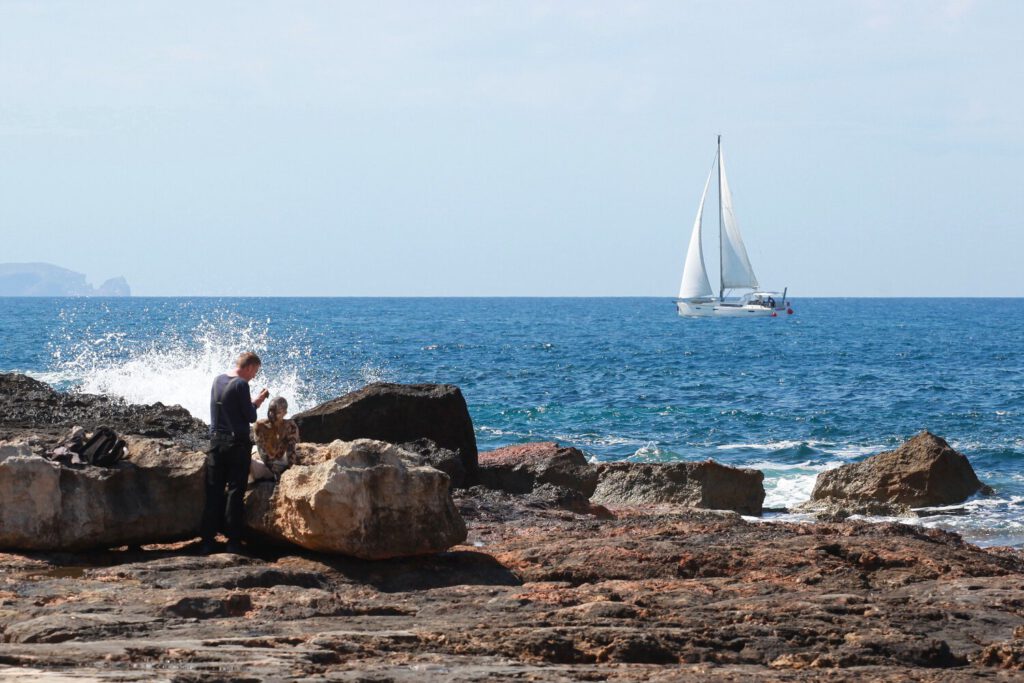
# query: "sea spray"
[[176, 368]]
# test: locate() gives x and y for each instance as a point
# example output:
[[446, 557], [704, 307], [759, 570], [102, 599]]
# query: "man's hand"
[[261, 398]]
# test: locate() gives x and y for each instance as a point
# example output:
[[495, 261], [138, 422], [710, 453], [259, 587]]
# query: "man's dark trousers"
[[227, 464]]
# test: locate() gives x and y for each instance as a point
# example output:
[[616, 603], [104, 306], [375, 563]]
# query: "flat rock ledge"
[[364, 498], [659, 594]]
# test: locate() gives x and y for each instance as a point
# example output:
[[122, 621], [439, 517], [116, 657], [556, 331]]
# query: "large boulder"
[[363, 498], [922, 472], [523, 467], [155, 496], [708, 485], [396, 413]]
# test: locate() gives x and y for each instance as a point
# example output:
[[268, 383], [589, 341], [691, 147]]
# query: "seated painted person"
[[275, 439]]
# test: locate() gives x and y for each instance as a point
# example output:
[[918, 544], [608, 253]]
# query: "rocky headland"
[[532, 564], [45, 279]]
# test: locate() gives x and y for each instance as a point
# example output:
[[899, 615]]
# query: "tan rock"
[[155, 495], [923, 471], [363, 498]]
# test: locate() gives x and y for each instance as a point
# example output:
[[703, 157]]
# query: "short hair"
[[247, 359], [278, 406]]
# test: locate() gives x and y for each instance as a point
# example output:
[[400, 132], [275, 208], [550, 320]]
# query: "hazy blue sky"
[[874, 147]]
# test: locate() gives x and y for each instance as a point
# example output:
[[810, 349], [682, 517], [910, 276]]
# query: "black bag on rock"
[[104, 448]]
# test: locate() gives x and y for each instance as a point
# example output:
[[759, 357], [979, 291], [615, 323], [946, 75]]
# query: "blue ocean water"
[[620, 378]]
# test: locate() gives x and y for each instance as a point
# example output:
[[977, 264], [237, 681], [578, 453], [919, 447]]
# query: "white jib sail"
[[695, 284], [736, 269]]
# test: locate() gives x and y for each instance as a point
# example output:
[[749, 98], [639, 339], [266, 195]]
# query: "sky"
[[514, 148]]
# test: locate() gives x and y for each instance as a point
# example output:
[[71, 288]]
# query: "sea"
[[619, 378]]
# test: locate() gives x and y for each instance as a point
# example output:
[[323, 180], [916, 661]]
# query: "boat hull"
[[715, 309]]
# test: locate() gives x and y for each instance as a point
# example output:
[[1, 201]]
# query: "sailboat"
[[696, 298]]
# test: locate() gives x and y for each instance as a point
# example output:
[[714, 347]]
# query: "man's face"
[[249, 372]]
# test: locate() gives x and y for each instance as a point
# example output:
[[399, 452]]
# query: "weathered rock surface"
[[546, 474], [658, 594], [366, 499], [396, 413], [923, 471], [31, 407], [155, 495], [708, 485], [523, 467], [438, 457]]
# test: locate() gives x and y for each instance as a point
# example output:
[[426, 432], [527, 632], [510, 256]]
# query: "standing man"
[[227, 462]]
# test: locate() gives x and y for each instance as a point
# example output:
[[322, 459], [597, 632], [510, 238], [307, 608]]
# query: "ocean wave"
[[177, 368]]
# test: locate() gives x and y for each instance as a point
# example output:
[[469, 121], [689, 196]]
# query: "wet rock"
[[922, 472], [522, 468], [366, 499], [706, 485], [155, 495], [30, 406], [831, 510], [396, 413]]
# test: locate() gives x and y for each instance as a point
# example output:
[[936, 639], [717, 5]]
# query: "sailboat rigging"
[[696, 297]]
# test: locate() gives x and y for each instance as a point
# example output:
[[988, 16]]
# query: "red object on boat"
[[789, 311]]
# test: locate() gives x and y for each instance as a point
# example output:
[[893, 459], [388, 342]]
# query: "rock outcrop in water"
[[365, 499], [924, 471], [397, 413], [155, 495]]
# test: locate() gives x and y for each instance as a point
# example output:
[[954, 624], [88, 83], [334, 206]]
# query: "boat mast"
[[721, 271]]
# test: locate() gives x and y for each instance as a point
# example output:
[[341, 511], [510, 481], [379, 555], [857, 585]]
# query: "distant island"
[[45, 279]]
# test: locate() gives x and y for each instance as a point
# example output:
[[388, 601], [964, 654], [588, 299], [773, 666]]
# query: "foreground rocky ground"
[[535, 594], [550, 585]]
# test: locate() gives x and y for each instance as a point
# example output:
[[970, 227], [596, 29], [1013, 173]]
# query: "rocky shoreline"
[[568, 572]]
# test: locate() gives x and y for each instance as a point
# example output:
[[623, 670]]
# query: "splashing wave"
[[177, 368]]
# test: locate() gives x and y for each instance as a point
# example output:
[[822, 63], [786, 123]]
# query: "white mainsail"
[[736, 268], [695, 283]]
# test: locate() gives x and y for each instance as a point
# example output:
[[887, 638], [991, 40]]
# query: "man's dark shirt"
[[236, 411]]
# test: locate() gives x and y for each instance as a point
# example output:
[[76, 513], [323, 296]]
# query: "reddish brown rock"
[[922, 472], [523, 467]]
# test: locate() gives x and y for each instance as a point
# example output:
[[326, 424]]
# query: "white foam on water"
[[649, 452], [771, 445], [175, 369], [851, 452]]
